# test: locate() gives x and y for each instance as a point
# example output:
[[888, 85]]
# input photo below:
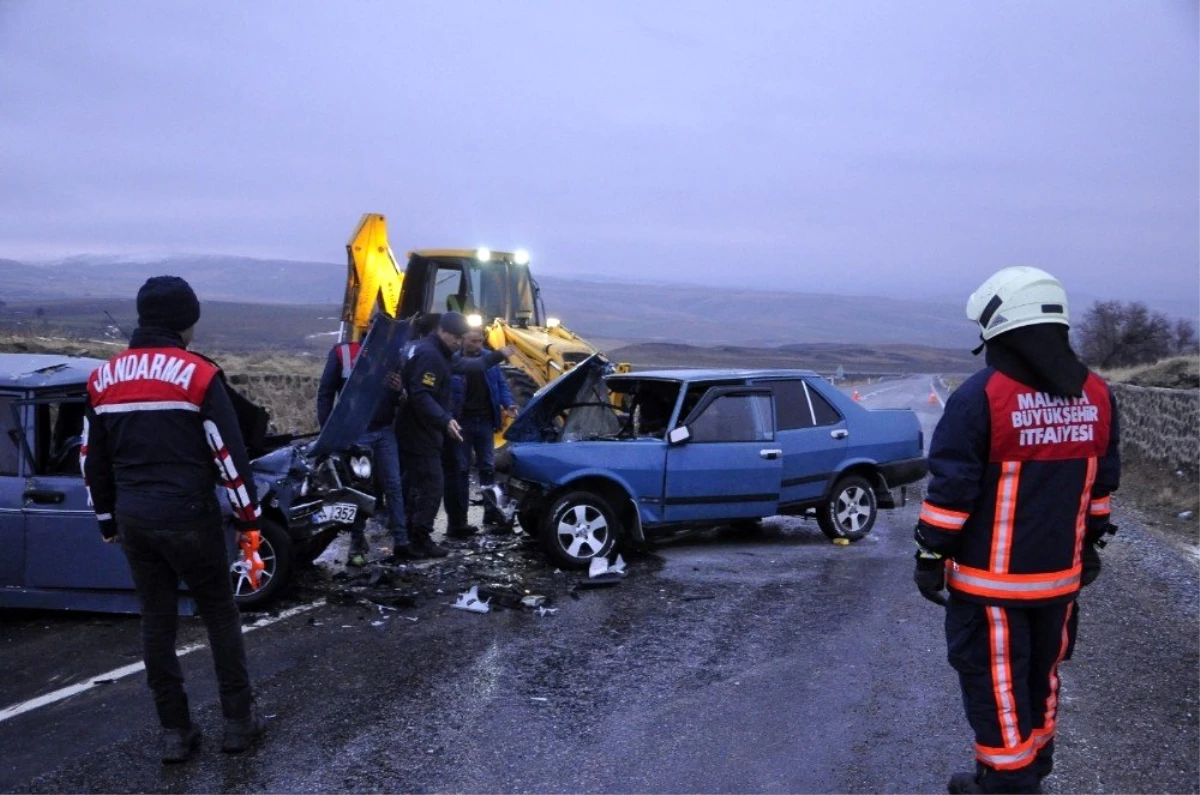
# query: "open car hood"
[[542, 409], [379, 355]]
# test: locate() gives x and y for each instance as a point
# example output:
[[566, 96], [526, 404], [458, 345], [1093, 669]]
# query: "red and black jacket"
[[1016, 475], [160, 436]]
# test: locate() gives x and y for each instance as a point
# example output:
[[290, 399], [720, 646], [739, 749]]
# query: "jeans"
[[479, 439], [386, 460], [159, 557], [456, 496]]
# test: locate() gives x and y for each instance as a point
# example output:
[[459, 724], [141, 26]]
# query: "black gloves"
[[108, 529], [1091, 564], [1093, 542], [930, 575]]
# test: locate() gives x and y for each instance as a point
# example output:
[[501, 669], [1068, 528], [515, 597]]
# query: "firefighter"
[[1021, 467], [160, 435]]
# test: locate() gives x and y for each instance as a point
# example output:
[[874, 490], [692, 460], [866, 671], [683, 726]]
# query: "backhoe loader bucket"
[[373, 279]]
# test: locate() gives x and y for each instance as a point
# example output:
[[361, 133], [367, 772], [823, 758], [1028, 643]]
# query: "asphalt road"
[[767, 662]]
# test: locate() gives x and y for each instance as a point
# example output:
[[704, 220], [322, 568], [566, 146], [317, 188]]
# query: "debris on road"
[[542, 612], [533, 600], [470, 601]]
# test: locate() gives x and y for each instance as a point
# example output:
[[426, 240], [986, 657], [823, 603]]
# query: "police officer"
[[1022, 464], [427, 424], [160, 435]]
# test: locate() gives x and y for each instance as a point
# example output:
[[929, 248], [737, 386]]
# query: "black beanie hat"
[[454, 323], [167, 302]]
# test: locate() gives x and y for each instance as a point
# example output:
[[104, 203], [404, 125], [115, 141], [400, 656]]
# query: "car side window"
[[10, 452], [734, 418], [791, 405], [823, 411], [58, 437]]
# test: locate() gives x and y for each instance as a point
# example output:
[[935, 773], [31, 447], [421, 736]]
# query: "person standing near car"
[[380, 439], [486, 402], [160, 435], [1022, 464], [427, 424]]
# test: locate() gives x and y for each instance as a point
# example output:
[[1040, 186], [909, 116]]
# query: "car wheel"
[[529, 521], [578, 527], [850, 511], [275, 549]]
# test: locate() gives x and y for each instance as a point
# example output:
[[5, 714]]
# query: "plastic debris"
[[1185, 515], [599, 567], [538, 698], [546, 611], [842, 542], [533, 600], [377, 623], [469, 600]]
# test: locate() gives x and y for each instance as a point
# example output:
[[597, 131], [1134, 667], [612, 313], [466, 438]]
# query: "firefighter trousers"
[[1007, 661]]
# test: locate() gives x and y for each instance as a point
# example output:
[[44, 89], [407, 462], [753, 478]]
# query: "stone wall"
[[1160, 424]]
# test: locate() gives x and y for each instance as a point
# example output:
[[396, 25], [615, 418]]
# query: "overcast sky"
[[891, 148]]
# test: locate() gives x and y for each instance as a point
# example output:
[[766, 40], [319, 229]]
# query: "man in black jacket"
[[160, 436], [426, 421]]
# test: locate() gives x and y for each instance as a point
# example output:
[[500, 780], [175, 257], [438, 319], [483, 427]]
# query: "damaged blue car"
[[598, 460]]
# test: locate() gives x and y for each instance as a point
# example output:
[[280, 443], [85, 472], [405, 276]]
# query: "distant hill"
[[604, 310], [825, 358]]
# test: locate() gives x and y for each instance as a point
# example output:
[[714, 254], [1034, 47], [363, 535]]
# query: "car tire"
[[530, 521], [579, 526], [275, 549], [850, 511]]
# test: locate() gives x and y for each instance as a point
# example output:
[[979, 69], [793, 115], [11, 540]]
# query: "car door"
[[12, 489], [729, 467], [63, 547], [812, 435]]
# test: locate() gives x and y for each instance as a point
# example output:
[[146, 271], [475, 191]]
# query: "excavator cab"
[[499, 287]]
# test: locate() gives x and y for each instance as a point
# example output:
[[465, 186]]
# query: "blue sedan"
[[597, 459]]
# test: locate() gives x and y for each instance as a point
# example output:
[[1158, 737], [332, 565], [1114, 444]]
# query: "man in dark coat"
[[160, 437]]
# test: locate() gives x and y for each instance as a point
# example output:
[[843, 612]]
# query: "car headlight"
[[360, 465]]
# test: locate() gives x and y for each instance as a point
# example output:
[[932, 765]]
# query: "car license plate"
[[339, 512]]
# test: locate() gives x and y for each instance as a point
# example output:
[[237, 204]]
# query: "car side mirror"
[[679, 435]]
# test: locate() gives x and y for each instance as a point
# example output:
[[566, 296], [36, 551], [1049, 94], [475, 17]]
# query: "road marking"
[[933, 391], [133, 668]]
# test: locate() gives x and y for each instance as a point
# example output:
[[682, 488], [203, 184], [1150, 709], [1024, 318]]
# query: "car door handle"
[[770, 454], [840, 433], [45, 496]]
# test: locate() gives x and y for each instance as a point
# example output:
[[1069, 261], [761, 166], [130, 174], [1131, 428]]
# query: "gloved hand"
[[108, 530], [1091, 564], [930, 575], [1097, 529]]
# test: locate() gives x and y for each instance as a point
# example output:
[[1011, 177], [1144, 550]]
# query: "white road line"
[[933, 391], [133, 668]]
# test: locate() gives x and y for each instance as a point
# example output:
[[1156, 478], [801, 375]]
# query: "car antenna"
[[124, 333]]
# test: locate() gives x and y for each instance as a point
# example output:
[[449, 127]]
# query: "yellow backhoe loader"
[[494, 289]]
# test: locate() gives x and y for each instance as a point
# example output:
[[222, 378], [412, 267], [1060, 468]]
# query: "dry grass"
[[1177, 372]]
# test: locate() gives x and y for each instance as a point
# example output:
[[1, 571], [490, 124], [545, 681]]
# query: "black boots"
[[178, 744], [240, 735]]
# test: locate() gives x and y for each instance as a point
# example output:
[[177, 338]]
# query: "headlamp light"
[[360, 465], [521, 256], [483, 254], [475, 320]]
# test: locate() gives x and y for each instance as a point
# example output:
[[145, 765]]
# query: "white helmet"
[[1016, 297]]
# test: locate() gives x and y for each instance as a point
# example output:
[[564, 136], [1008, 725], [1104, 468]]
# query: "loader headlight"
[[475, 320], [360, 465], [553, 322], [521, 256], [483, 254]]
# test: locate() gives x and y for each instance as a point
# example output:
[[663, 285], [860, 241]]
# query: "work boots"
[[425, 545], [241, 734], [178, 744], [985, 779]]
